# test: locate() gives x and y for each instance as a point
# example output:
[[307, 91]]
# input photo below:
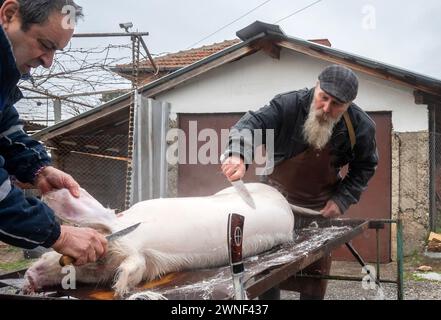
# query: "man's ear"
[[8, 13]]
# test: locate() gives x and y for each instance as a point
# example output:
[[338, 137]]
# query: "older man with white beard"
[[317, 132]]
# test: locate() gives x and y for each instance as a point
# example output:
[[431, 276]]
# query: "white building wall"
[[251, 82]]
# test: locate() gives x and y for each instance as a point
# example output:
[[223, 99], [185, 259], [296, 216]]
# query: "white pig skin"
[[176, 234]]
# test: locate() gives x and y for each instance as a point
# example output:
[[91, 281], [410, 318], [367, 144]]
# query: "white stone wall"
[[410, 187]]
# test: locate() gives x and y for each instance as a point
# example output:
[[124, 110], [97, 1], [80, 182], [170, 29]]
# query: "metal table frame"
[[274, 293]]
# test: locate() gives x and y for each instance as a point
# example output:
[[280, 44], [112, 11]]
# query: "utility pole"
[[135, 62], [137, 41], [132, 110], [126, 27]]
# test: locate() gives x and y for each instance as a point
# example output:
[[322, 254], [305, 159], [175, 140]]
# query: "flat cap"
[[339, 82]]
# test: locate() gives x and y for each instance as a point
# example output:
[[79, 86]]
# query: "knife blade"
[[122, 232], [241, 189], [66, 260], [243, 192]]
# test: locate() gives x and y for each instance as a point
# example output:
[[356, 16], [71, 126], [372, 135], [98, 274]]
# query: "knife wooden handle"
[[66, 260], [235, 238]]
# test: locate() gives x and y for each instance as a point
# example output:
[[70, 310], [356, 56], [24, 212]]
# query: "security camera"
[[126, 26]]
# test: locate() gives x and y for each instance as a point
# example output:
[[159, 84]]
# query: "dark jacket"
[[286, 114], [25, 223]]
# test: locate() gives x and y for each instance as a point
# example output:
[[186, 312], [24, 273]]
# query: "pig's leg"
[[130, 273]]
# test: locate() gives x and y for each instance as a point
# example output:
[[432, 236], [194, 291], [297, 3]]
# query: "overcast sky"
[[406, 34]]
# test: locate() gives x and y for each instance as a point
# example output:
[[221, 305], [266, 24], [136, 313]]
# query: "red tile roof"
[[184, 58], [178, 60], [174, 61]]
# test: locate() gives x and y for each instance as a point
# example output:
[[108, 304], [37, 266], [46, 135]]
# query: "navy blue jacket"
[[286, 115], [24, 222]]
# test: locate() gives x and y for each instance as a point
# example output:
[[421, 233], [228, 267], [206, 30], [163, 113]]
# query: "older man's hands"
[[50, 179], [331, 210], [233, 168]]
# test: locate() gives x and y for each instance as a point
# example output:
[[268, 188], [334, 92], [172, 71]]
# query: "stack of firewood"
[[434, 243]]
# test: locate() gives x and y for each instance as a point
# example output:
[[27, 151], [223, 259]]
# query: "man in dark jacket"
[[317, 132], [30, 33]]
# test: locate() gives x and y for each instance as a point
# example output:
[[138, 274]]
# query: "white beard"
[[318, 128]]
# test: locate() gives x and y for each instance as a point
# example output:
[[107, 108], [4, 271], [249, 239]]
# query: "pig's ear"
[[85, 210]]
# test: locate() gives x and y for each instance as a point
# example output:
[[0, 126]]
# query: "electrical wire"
[[298, 11], [229, 24]]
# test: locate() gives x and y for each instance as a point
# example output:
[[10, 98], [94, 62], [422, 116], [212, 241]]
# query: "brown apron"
[[309, 180]]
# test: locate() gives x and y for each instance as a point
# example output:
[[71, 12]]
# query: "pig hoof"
[[121, 295]]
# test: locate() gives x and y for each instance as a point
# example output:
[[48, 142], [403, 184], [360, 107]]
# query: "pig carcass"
[[175, 234]]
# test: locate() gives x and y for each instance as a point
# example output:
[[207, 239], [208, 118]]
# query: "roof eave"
[[148, 86]]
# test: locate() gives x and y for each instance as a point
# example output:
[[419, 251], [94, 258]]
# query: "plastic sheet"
[[217, 284]]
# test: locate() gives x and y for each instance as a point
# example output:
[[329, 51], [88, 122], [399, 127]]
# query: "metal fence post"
[[400, 275], [432, 168]]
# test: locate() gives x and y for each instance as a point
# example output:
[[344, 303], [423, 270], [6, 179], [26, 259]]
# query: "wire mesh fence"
[[417, 176], [97, 163]]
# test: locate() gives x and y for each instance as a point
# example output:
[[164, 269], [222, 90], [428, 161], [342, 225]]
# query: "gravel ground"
[[345, 290]]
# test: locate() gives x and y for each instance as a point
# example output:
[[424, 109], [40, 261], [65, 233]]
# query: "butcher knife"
[[66, 260], [241, 190], [235, 239]]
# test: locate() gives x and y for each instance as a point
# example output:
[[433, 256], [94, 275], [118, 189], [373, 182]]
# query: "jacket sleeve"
[[23, 155], [243, 133], [25, 223], [360, 171]]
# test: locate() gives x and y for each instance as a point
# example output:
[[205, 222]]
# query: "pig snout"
[[30, 286], [44, 272]]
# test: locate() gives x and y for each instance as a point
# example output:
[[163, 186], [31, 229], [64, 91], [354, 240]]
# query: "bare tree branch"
[[76, 70]]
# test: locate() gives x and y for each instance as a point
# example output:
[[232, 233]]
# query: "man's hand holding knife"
[[233, 168]]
